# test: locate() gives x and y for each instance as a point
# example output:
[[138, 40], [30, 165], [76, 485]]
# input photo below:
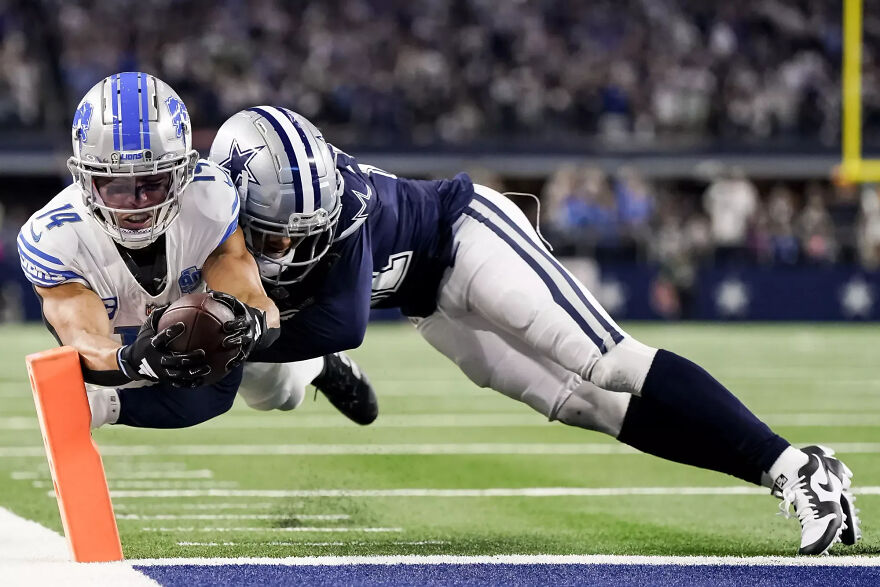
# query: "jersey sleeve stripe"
[[229, 230], [52, 272], [22, 241]]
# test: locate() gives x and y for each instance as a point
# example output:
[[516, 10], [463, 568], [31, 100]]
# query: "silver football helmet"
[[289, 187], [132, 156]]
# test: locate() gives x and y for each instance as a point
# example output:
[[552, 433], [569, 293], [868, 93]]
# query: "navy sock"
[[687, 393], [655, 429]]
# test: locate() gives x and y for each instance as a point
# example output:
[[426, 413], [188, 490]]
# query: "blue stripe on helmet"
[[131, 128], [145, 111], [114, 101], [316, 188], [291, 155]]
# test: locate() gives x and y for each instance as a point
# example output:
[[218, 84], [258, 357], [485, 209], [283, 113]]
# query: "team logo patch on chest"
[[189, 279]]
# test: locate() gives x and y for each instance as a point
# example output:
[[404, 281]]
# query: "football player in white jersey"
[[144, 222]]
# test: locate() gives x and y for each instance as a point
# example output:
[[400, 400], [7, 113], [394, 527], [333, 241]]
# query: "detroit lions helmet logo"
[[179, 115], [81, 120]]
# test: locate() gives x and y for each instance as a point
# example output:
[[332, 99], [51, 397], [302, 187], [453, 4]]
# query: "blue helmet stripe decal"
[[291, 155], [114, 100], [131, 127], [145, 111], [316, 188]]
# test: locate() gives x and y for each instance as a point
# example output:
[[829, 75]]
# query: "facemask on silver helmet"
[[289, 186], [132, 156]]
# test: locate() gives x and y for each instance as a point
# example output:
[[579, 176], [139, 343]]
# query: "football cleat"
[[348, 389], [852, 531], [815, 491]]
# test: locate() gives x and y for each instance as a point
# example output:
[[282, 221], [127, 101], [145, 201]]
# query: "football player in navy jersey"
[[333, 238]]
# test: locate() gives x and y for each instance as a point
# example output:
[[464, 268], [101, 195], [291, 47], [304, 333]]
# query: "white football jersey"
[[62, 243]]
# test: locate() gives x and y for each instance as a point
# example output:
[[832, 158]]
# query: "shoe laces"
[[794, 493]]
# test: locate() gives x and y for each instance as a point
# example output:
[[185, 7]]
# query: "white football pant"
[[278, 386], [513, 319]]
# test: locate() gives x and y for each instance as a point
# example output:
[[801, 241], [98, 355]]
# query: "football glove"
[[248, 331], [149, 358]]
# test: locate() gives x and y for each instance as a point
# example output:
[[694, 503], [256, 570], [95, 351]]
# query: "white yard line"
[[318, 529], [303, 543], [173, 506], [129, 475], [145, 517], [483, 448], [463, 420], [31, 554], [487, 492], [538, 559], [113, 484]]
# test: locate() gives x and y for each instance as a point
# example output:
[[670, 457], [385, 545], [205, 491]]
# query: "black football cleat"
[[814, 490], [852, 531], [348, 389]]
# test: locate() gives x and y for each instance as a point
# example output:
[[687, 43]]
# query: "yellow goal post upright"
[[854, 167]]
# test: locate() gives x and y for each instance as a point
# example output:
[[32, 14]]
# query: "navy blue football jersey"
[[393, 243]]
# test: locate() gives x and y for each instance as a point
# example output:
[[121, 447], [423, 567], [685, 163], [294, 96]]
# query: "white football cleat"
[[852, 531], [815, 492]]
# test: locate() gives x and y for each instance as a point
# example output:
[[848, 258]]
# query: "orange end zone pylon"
[[77, 470]]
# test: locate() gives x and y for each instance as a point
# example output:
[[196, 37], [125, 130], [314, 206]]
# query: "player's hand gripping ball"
[[205, 321]]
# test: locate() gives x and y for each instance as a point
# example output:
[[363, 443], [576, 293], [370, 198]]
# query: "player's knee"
[[268, 386], [624, 367], [594, 409]]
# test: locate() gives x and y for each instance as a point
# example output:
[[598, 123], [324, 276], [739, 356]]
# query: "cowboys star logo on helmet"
[[238, 161]]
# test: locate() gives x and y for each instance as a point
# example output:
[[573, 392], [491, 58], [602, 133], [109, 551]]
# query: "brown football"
[[203, 317]]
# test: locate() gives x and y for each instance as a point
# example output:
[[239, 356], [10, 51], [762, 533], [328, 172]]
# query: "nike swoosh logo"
[[829, 488], [34, 235]]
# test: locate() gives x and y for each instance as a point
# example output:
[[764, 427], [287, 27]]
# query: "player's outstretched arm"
[[78, 318], [232, 270]]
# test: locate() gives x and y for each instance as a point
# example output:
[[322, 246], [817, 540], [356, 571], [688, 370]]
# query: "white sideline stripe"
[[232, 516], [321, 529], [31, 554], [609, 448], [520, 559], [488, 492]]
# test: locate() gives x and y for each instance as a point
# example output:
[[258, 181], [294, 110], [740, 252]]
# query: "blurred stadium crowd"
[[537, 75], [379, 72]]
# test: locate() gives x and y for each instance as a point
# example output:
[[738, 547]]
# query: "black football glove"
[[148, 357], [248, 331]]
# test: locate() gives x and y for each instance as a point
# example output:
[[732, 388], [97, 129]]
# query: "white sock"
[[104, 405], [788, 464]]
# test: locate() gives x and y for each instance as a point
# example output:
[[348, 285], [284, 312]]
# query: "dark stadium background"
[[683, 151]]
